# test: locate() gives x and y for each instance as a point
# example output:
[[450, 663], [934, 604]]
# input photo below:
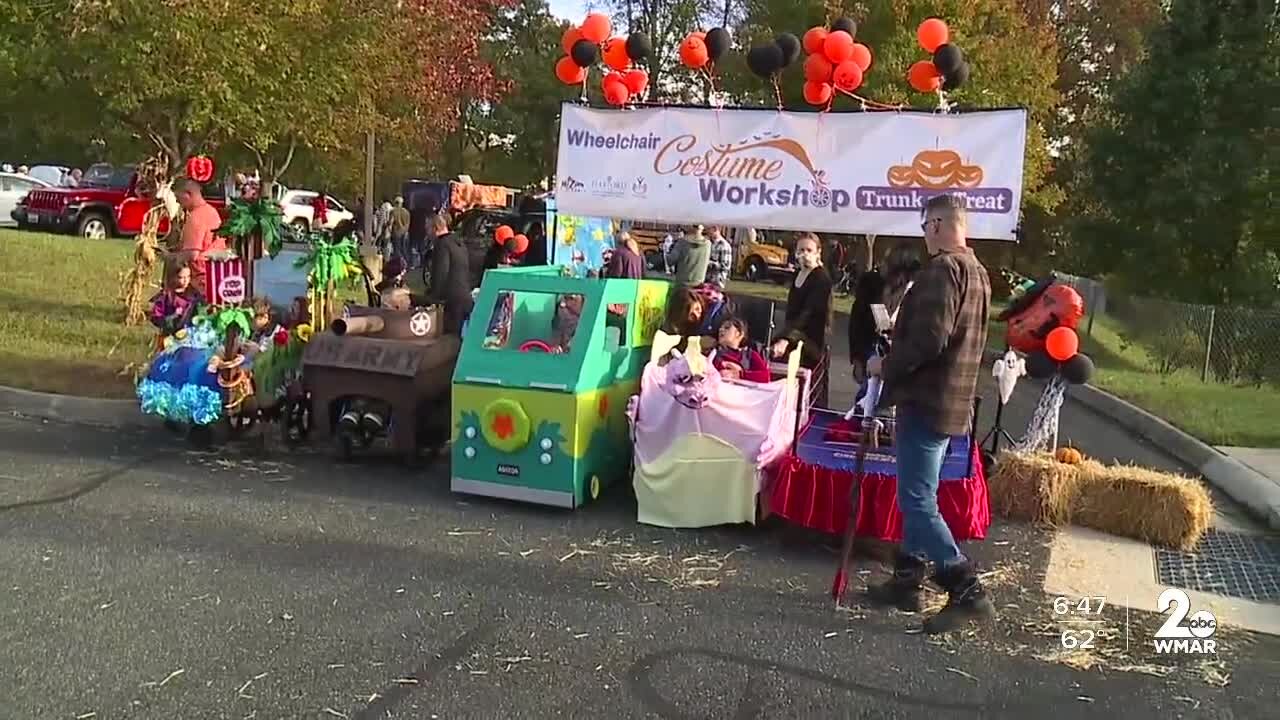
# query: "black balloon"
[[765, 60], [584, 53], [957, 78], [790, 46], [1040, 366], [947, 58], [1078, 370], [847, 25], [638, 46], [718, 42]]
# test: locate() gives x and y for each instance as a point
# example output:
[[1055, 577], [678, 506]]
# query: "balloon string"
[[777, 91], [868, 103]]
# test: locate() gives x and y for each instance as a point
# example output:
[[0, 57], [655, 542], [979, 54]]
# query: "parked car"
[[299, 211], [13, 189], [49, 174], [106, 203]]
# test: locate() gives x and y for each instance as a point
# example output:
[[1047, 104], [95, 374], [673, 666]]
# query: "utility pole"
[[368, 186]]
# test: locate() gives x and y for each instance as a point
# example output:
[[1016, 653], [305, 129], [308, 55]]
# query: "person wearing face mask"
[[930, 375], [808, 314]]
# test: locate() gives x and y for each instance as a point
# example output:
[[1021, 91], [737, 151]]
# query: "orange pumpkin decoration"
[[1069, 456], [969, 176], [936, 169], [901, 176]]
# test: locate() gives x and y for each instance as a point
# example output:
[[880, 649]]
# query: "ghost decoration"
[[1006, 371]]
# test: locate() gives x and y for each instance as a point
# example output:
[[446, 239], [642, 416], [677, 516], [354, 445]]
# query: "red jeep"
[[106, 203]]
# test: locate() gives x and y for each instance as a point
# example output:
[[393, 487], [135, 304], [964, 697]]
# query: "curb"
[[73, 409], [1257, 492]]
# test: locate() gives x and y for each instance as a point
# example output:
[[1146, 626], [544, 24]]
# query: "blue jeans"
[[921, 451]]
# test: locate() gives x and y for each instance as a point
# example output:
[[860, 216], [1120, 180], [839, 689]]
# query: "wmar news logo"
[[1192, 637]]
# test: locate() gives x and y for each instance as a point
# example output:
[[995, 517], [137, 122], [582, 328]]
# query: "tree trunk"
[[868, 255]]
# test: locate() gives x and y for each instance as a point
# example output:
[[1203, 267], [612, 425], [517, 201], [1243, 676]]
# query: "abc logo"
[[1202, 624]]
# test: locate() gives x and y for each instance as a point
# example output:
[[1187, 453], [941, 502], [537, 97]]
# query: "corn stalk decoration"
[[330, 264], [135, 285]]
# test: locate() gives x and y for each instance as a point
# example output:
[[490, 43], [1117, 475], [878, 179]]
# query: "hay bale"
[[1156, 507], [1033, 486]]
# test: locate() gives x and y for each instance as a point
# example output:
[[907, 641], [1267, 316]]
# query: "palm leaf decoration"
[[331, 263], [244, 219]]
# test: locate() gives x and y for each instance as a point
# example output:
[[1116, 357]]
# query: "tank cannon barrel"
[[365, 325]]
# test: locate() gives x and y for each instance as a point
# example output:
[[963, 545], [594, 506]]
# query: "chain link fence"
[[1235, 345]]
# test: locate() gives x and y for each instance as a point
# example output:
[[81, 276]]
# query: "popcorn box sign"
[[226, 282]]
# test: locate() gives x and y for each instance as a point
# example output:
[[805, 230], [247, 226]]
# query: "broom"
[[841, 582]]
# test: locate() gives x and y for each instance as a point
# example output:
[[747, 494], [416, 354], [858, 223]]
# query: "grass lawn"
[[61, 317], [1217, 413]]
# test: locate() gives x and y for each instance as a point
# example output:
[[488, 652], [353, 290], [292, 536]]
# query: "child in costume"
[[172, 308], [733, 360]]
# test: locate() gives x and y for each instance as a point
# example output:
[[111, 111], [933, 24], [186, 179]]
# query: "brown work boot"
[[966, 599], [902, 590]]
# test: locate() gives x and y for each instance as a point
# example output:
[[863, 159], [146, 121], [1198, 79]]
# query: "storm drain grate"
[[1225, 563]]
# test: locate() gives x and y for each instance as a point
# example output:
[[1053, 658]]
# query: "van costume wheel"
[[593, 488], [505, 425], [532, 345]]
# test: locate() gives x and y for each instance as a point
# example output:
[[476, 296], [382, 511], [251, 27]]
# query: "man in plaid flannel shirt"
[[721, 258], [931, 375]]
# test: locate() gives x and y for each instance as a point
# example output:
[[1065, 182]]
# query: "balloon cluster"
[[516, 244], [948, 69], [590, 42], [1061, 355], [835, 62], [701, 50], [766, 61]]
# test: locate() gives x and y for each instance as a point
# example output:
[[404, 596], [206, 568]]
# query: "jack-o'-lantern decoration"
[[936, 170], [901, 176], [1043, 308], [200, 168]]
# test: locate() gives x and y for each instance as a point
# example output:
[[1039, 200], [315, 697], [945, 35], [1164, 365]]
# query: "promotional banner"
[[867, 172]]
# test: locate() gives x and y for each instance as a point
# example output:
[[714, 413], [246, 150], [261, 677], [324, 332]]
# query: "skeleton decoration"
[[1042, 431], [688, 379]]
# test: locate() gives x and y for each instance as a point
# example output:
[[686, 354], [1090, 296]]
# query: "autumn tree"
[[1182, 168], [263, 76]]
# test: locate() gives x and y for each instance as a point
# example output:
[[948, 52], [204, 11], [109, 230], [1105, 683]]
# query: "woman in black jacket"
[[808, 314]]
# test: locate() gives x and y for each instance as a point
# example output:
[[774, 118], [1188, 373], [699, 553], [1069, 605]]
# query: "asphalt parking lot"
[[145, 580]]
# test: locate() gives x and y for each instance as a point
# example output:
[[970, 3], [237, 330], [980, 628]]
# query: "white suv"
[[298, 210]]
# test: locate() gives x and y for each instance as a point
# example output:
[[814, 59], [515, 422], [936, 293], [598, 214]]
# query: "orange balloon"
[[838, 46], [517, 244], [596, 27], [636, 80], [933, 33], [503, 233], [1062, 343], [615, 89], [813, 40], [693, 52], [615, 53], [817, 69], [571, 36], [924, 77], [862, 56], [569, 73], [847, 76], [817, 93]]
